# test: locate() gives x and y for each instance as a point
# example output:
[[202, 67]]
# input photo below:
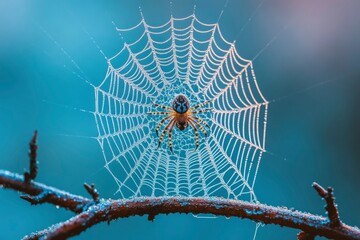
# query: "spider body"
[[181, 105], [181, 116]]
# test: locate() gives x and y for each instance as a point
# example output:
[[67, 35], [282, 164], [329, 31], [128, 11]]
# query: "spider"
[[181, 116]]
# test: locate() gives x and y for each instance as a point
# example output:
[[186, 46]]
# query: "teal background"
[[309, 73]]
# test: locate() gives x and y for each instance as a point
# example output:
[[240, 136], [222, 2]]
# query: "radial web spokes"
[[156, 63]]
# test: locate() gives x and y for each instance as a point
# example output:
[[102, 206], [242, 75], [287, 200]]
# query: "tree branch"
[[91, 212], [54, 196], [110, 209]]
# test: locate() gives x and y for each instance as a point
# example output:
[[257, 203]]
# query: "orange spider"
[[181, 116]]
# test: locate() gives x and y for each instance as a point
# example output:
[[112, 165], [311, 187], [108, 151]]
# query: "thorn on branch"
[[151, 217], [41, 198], [92, 191], [305, 236], [331, 207], [28, 176]]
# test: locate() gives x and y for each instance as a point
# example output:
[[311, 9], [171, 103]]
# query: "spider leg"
[[164, 131], [161, 106], [202, 110], [196, 135], [201, 121], [170, 135], [199, 126], [200, 105], [161, 123], [159, 113]]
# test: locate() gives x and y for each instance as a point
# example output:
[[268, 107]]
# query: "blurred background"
[[306, 60]]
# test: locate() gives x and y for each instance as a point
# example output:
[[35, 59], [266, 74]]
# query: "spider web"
[[156, 63]]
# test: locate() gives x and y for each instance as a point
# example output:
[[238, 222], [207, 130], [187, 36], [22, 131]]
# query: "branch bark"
[[110, 210]]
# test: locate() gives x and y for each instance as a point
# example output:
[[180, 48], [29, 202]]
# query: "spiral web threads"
[[182, 56]]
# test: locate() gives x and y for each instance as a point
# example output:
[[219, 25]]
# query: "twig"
[[55, 196], [38, 199], [106, 209], [38, 193], [92, 191], [28, 176], [330, 207]]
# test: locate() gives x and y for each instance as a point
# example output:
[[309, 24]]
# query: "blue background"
[[309, 73]]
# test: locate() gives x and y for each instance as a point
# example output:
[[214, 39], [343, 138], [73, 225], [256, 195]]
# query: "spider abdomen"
[[181, 104], [181, 121]]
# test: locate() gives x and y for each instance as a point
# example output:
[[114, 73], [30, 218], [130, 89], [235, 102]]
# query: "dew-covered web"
[[156, 63]]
